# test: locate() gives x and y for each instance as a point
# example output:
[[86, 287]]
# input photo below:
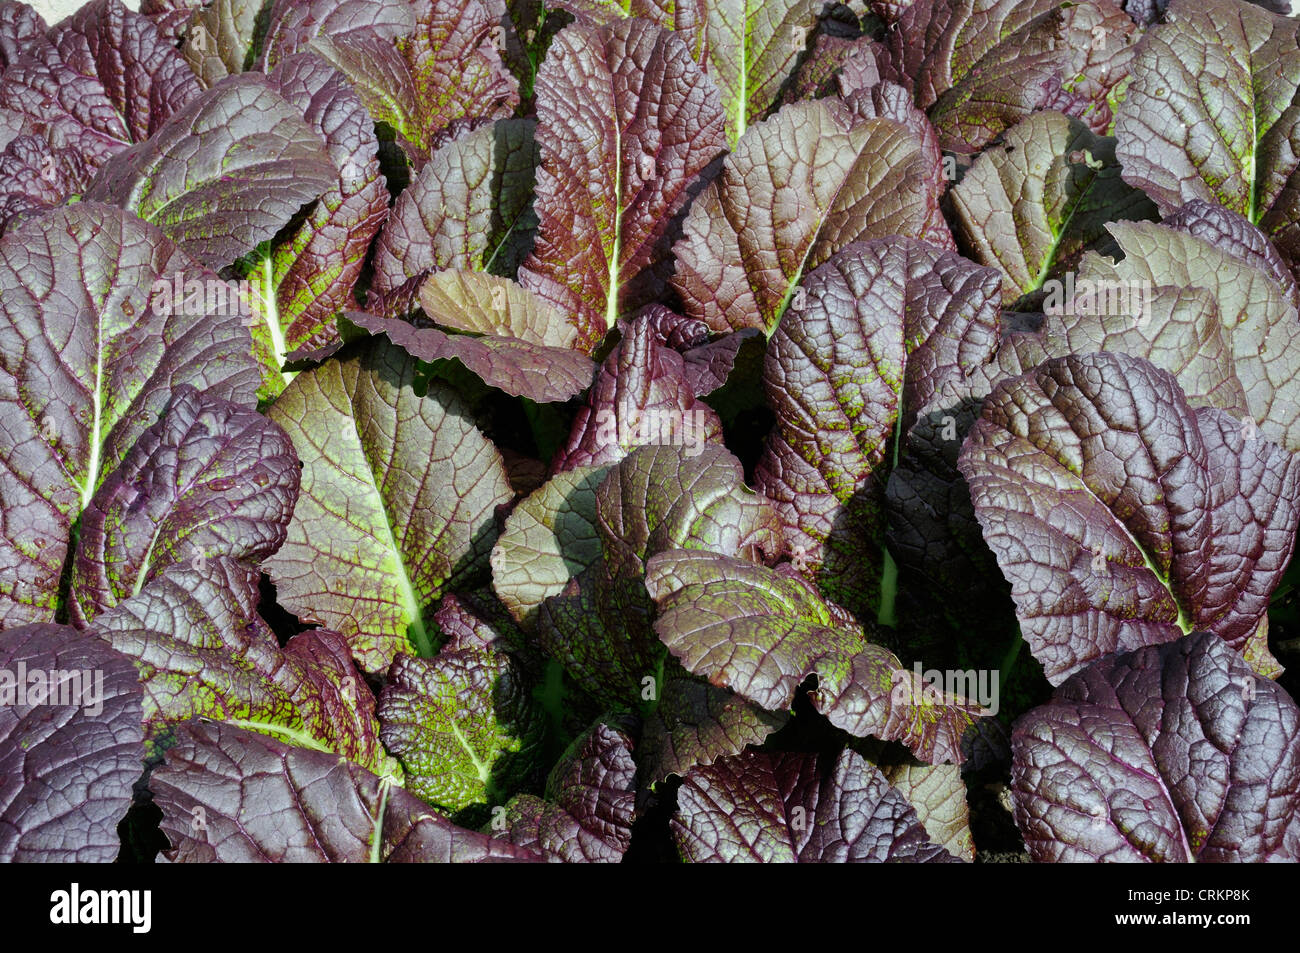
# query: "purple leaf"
[[71, 745], [232, 796], [91, 354], [590, 798], [1171, 753], [470, 208], [798, 188], [1122, 517], [645, 394], [762, 632], [224, 173], [202, 650], [626, 122], [874, 335], [791, 807], [210, 478]]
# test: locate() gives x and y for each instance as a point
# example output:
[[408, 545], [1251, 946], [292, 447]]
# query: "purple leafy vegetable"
[[1122, 517], [215, 785], [1171, 753], [587, 814], [222, 174], [397, 502], [70, 743], [92, 351], [790, 807]]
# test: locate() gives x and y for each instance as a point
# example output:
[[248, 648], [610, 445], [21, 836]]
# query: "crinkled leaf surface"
[[548, 539], [20, 25], [590, 799], [884, 100], [747, 48], [222, 174], [463, 723], [658, 498], [1260, 316], [221, 39], [70, 754], [1211, 112], [233, 796], [798, 188], [979, 67], [309, 276], [87, 365], [469, 208], [1171, 753], [938, 794], [97, 82], [1202, 295], [626, 122], [441, 73], [698, 723], [396, 506], [203, 651], [881, 327], [210, 478], [514, 340], [293, 24], [793, 807], [1122, 517], [645, 394], [763, 632], [1053, 184]]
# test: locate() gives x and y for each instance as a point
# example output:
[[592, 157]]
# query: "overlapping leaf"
[[587, 814], [309, 276], [548, 539], [626, 123], [99, 81], [462, 723], [211, 478], [979, 67], [396, 506], [470, 208], [221, 38], [1200, 295], [222, 174], [441, 73], [792, 807], [798, 188], [514, 340], [1212, 113], [1053, 184], [748, 49], [1122, 517], [1172, 753], [645, 394], [658, 498], [882, 327], [938, 794], [232, 796], [71, 745], [294, 24], [89, 359], [696, 723], [203, 651], [763, 633]]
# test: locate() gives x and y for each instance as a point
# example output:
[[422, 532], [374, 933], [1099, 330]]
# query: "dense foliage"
[[460, 430]]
